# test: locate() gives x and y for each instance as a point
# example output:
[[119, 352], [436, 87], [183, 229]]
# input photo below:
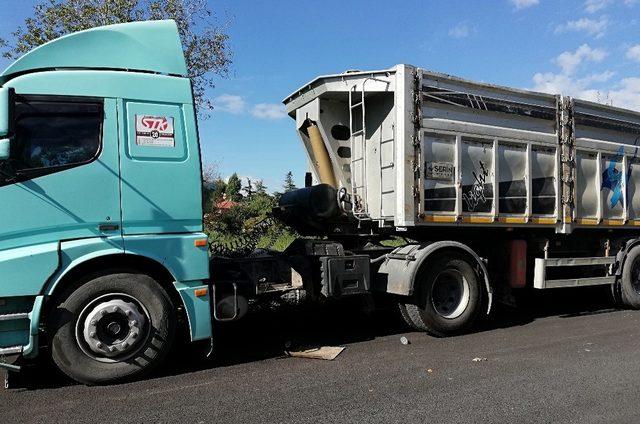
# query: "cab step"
[[10, 350], [14, 317]]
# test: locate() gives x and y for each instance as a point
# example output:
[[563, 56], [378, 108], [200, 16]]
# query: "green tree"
[[205, 43], [234, 185], [248, 189], [209, 178], [288, 185], [260, 188], [219, 189]]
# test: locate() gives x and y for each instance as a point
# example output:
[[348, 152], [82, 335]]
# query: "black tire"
[[630, 281], [73, 356], [402, 308], [615, 294], [450, 270]]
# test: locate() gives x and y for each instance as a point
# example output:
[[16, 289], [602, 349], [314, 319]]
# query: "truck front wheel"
[[448, 297], [113, 328]]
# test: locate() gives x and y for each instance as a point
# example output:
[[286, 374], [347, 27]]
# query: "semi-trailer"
[[103, 257]]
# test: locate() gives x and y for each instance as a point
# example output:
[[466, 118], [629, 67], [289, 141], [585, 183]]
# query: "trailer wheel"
[[630, 281], [113, 328], [448, 297]]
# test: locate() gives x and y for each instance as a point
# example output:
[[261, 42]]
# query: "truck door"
[[160, 166], [60, 183]]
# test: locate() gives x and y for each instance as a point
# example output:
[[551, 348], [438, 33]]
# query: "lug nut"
[[125, 345], [116, 309], [93, 322], [134, 335], [133, 323], [99, 345], [112, 348], [92, 334], [103, 312], [128, 312]]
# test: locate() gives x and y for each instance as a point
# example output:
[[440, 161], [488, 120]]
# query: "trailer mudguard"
[[399, 269]]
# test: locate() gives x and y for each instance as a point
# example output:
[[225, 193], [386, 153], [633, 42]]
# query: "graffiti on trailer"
[[476, 195], [612, 178]]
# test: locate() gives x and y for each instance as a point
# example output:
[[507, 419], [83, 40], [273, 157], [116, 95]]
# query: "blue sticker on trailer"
[[612, 178]]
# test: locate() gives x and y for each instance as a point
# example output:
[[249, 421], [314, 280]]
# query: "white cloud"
[[624, 93], [550, 82], [572, 79], [461, 30], [271, 111], [601, 77], [237, 105], [569, 61], [523, 4], [593, 6], [230, 103], [634, 53], [590, 26]]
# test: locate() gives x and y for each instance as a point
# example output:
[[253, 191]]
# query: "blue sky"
[[589, 49]]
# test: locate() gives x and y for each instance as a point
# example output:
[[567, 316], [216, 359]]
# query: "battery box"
[[345, 275]]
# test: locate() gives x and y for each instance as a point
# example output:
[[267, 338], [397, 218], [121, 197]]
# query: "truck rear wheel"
[[114, 327], [630, 281], [448, 297]]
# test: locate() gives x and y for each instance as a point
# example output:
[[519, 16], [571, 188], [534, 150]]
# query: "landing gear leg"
[[9, 371], [10, 378]]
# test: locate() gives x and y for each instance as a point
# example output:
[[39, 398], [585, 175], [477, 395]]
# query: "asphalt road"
[[574, 360]]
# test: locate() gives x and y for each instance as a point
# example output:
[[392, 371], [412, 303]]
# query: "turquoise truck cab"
[[100, 185]]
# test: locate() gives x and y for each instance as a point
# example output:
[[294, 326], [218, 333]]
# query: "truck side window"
[[56, 134]]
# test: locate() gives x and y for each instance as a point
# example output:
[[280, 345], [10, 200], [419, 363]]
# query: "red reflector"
[[517, 263], [200, 243], [201, 292]]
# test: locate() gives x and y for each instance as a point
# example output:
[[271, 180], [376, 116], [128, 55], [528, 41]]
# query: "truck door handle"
[[108, 227]]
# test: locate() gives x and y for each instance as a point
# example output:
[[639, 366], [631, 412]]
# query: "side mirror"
[[5, 148], [7, 102]]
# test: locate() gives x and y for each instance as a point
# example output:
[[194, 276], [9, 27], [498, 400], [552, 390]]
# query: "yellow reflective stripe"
[[613, 222], [543, 220], [587, 221], [512, 220], [439, 218], [477, 219]]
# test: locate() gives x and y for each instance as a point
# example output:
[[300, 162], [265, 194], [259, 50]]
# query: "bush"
[[246, 226]]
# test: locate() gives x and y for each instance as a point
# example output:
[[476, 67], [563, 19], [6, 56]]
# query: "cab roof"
[[150, 46]]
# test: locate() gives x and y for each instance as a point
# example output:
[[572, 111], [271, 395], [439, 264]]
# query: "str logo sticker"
[[156, 131]]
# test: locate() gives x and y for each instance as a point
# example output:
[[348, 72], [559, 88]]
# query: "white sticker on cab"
[[155, 131]]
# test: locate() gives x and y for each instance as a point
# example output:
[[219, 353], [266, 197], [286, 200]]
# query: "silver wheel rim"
[[450, 294], [113, 327]]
